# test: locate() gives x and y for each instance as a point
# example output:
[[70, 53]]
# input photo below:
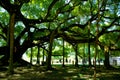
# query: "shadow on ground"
[[58, 73]]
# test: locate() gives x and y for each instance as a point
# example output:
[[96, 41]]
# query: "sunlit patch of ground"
[[59, 73]]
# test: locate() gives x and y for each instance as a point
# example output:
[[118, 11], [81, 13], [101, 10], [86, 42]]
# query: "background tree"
[[76, 54], [38, 55]]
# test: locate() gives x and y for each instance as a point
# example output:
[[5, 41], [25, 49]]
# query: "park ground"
[[59, 73]]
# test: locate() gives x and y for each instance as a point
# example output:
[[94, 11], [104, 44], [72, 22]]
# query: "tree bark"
[[38, 56], [106, 54], [89, 55], [76, 55], [31, 55], [84, 59], [49, 66], [43, 57], [96, 41], [11, 42], [63, 64]]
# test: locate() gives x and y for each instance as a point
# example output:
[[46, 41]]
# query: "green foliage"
[[107, 39], [36, 7], [44, 16], [3, 42], [34, 53], [4, 20], [18, 28], [58, 48], [4, 16]]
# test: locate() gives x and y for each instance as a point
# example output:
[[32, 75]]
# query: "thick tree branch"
[[50, 7], [72, 39], [104, 29]]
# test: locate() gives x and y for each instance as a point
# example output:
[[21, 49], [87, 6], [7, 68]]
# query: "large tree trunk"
[[11, 42], [17, 57], [49, 66], [20, 50]]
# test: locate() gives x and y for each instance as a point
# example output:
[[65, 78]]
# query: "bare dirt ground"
[[59, 73]]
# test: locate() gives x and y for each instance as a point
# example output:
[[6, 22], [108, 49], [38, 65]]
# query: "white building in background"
[[115, 61]]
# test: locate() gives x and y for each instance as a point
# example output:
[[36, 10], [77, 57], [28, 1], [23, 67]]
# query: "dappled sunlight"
[[60, 73]]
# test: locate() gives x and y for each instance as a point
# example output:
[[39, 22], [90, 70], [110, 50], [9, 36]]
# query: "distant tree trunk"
[[89, 56], [63, 53], [83, 60], [106, 54], [43, 55], [31, 55], [76, 55], [38, 56], [66, 60], [11, 42], [99, 59]]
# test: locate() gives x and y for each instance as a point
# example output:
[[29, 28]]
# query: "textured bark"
[[17, 57], [11, 42], [50, 51]]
